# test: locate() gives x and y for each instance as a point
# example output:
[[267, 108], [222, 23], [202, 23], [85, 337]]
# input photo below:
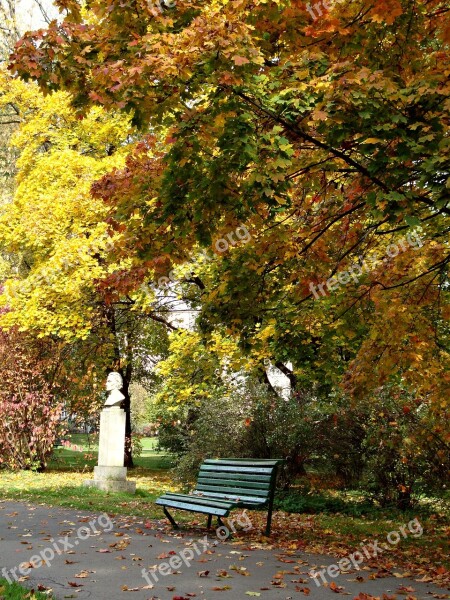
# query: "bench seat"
[[195, 503]]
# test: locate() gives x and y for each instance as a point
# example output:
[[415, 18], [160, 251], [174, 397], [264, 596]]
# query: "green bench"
[[228, 483]]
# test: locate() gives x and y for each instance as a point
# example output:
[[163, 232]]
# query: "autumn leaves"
[[187, 555], [328, 147], [221, 245], [368, 551], [325, 4], [367, 264]]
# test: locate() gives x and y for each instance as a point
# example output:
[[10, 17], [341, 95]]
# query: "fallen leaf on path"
[[83, 574], [304, 590], [125, 588], [337, 589], [217, 588], [240, 570]]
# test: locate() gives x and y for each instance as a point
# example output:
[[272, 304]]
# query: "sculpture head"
[[114, 381]]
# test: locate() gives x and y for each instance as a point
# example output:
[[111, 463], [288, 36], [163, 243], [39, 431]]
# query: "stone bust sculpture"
[[114, 383]]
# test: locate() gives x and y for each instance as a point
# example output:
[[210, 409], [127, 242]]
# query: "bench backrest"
[[247, 480]]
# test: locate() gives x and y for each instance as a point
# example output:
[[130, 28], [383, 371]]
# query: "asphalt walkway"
[[86, 555]]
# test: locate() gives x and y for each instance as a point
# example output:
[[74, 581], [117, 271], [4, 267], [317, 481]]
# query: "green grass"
[[353, 503], [14, 591], [59, 486], [65, 458]]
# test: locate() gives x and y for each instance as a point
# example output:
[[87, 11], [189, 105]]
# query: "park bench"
[[228, 483]]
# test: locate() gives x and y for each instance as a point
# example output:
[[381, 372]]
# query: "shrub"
[[147, 430], [403, 458], [30, 414], [387, 445], [136, 444], [245, 421], [28, 431]]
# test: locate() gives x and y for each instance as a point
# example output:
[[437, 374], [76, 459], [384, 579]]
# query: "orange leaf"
[[240, 60]]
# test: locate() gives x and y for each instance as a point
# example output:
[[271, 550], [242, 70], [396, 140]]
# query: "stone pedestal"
[[110, 474]]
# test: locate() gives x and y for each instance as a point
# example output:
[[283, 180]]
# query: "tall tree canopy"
[[326, 136], [55, 237]]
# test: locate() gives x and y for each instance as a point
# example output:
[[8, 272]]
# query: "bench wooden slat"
[[225, 480], [241, 500], [232, 491], [241, 462], [220, 502], [247, 477], [232, 469], [207, 510]]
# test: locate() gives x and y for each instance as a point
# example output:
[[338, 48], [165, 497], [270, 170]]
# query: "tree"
[[58, 235], [325, 134], [9, 34]]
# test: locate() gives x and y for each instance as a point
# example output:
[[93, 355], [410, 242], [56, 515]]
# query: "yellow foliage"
[[54, 225]]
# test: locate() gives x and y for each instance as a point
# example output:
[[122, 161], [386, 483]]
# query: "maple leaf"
[[240, 60], [337, 589]]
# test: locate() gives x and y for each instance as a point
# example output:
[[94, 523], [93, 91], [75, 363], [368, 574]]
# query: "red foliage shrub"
[[30, 414]]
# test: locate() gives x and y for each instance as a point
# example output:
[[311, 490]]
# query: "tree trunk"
[[128, 451], [404, 499], [289, 374]]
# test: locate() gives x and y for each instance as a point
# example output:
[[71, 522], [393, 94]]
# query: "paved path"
[[90, 556]]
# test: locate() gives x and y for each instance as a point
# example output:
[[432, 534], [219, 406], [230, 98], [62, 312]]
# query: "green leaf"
[[412, 221]]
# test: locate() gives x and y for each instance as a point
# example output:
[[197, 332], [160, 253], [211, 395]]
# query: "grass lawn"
[[322, 520], [14, 591], [82, 455], [61, 484]]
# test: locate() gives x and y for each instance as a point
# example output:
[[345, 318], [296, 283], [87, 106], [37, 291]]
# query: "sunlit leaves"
[[326, 136], [53, 223]]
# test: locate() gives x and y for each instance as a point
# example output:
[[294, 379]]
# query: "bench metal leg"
[[269, 517], [268, 524], [222, 524], [270, 504], [208, 526], [171, 519]]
